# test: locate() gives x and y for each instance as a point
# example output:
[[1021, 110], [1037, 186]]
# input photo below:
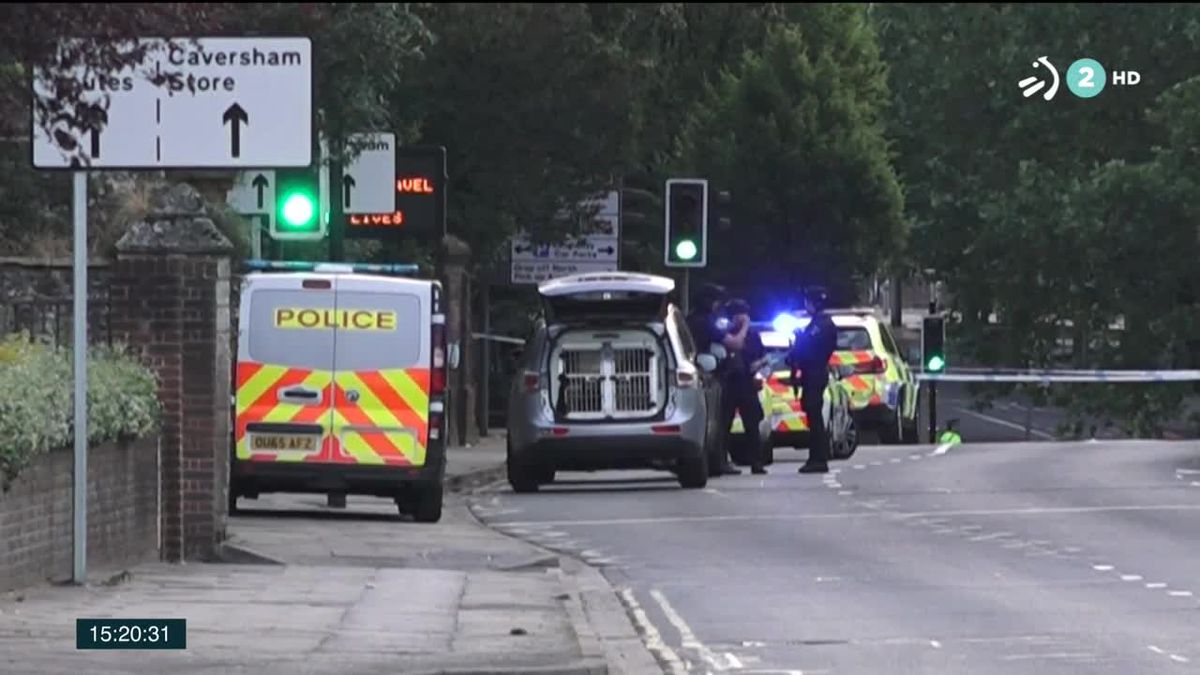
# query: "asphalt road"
[[1005, 421], [981, 558]]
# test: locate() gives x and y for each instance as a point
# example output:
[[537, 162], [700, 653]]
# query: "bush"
[[36, 413]]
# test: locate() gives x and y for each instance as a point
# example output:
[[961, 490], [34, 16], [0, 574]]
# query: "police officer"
[[950, 435], [715, 335], [810, 354], [737, 385]]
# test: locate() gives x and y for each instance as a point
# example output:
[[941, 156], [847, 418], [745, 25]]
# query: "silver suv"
[[609, 379]]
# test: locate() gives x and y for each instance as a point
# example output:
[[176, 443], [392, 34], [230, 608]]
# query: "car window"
[[854, 340], [383, 330], [687, 342], [888, 343], [285, 328]]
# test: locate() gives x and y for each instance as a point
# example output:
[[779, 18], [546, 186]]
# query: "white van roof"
[[606, 281]]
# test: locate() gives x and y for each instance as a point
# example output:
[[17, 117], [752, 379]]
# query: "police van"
[[340, 384]]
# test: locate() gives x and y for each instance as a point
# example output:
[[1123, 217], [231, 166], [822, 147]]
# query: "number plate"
[[284, 442]]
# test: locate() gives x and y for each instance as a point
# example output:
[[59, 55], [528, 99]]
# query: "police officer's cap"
[[710, 293], [818, 295]]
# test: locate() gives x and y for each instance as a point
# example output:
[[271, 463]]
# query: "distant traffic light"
[[686, 240], [933, 344], [298, 206]]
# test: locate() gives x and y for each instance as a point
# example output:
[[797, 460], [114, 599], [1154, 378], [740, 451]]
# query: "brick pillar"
[[456, 283], [170, 301]]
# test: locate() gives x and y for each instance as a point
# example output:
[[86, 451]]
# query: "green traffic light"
[[298, 209], [686, 249], [936, 363]]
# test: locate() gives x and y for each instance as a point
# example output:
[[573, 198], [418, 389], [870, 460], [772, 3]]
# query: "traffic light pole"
[[687, 291], [337, 217], [932, 383]]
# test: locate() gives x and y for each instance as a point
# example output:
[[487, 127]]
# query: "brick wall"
[[36, 514]]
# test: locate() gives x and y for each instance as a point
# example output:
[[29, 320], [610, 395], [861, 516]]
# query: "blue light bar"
[[403, 269], [789, 323]]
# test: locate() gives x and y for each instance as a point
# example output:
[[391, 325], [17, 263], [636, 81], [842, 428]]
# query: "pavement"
[[313, 589], [1049, 557]]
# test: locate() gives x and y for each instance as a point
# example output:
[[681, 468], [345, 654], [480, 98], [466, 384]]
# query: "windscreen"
[[611, 305], [853, 340], [287, 328], [379, 331]]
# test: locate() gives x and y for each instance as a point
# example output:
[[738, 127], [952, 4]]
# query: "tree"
[[534, 111], [795, 133]]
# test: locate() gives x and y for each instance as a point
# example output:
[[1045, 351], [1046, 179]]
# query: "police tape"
[[498, 338], [1051, 376]]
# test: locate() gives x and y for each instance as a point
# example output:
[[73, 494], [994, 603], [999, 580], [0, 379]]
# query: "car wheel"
[[522, 477], [426, 506], [693, 472]]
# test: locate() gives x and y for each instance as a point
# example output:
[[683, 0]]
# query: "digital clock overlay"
[[133, 634]]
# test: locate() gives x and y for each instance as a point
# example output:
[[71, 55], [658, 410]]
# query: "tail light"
[[666, 429], [685, 379], [437, 376], [435, 426], [533, 383], [874, 366]]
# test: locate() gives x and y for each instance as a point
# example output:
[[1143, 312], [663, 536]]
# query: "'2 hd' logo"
[[1086, 78]]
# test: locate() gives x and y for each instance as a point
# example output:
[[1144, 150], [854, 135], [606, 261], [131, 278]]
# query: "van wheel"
[[693, 472], [427, 506]]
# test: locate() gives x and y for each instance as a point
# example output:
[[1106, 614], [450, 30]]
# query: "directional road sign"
[[369, 182], [597, 251], [253, 193], [220, 103]]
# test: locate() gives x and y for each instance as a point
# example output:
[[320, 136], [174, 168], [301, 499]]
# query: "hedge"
[[36, 412]]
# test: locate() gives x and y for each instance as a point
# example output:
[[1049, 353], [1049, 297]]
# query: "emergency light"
[[330, 268], [789, 323]]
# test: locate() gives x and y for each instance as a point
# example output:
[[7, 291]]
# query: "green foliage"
[[795, 132], [36, 413]]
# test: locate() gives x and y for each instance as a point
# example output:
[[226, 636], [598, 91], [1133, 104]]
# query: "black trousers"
[[813, 403], [738, 396]]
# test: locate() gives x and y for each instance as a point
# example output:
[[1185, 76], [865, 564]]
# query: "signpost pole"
[[337, 213], [687, 291], [485, 369], [79, 568]]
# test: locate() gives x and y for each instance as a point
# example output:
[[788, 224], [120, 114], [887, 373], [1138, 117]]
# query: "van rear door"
[[285, 369], [382, 370]]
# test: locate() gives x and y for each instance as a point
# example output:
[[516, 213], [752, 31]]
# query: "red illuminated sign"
[[376, 219], [414, 186]]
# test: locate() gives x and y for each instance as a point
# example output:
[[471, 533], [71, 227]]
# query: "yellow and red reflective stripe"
[[352, 415]]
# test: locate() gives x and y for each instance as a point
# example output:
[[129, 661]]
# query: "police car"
[[340, 384], [785, 425], [884, 392]]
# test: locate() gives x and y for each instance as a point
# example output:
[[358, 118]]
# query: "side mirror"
[[707, 362]]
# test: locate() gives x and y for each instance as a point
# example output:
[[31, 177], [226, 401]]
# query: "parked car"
[[609, 380]]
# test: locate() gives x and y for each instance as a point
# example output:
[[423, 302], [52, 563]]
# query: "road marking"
[[896, 460], [1040, 511], [1054, 655], [1157, 650], [935, 644], [859, 467], [1131, 577], [835, 485], [1187, 471], [714, 491], [1006, 423], [1180, 594], [1102, 568], [654, 641], [1196, 483], [994, 535], [876, 463], [845, 492], [1156, 584], [688, 639], [1179, 659]]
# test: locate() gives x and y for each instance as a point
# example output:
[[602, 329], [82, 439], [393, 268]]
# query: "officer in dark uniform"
[[740, 396], [810, 354], [715, 335]]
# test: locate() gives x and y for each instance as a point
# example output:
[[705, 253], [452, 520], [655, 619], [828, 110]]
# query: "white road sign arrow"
[[369, 182]]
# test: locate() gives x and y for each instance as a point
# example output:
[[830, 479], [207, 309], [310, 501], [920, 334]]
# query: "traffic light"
[[933, 344], [298, 206], [686, 240]]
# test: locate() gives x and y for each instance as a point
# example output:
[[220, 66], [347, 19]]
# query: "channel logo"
[[1035, 83]]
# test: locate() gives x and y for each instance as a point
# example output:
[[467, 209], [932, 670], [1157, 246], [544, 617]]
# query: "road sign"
[[222, 103], [597, 251], [369, 183], [253, 193], [419, 198]]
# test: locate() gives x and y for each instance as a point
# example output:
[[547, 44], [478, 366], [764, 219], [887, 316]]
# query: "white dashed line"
[[990, 537], [859, 467], [935, 644], [846, 492], [1179, 659], [876, 463], [1187, 472], [1179, 594], [1131, 577], [1157, 650], [1102, 568], [835, 486], [896, 460], [915, 458]]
